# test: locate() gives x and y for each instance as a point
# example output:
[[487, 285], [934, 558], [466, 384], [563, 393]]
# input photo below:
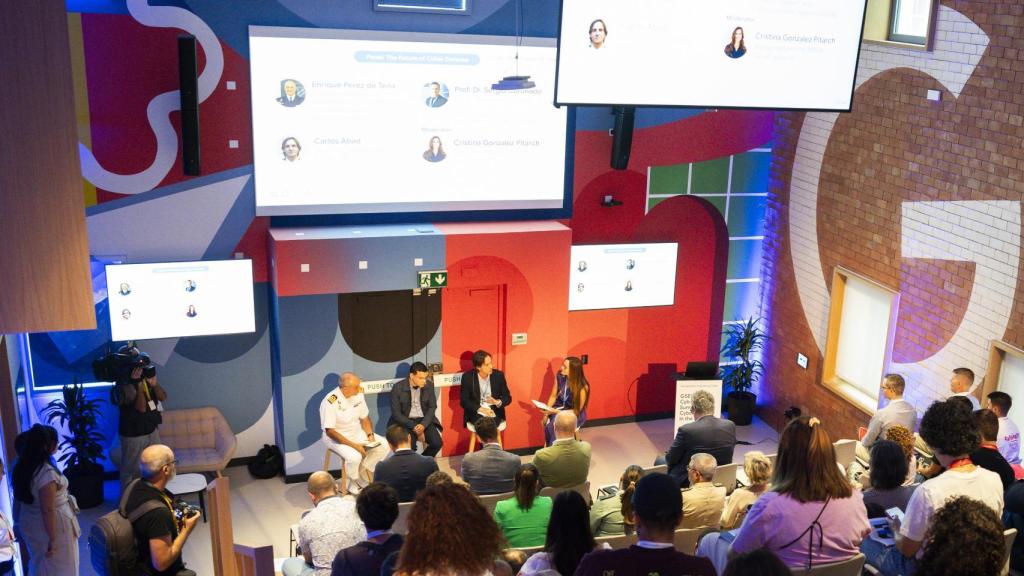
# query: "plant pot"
[[86, 485], [741, 407]]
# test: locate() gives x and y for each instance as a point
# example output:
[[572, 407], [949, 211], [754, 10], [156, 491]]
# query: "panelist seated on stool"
[[483, 390], [348, 432], [414, 406]]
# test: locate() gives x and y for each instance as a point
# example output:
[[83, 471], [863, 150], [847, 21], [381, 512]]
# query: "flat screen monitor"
[[622, 276], [172, 299], [774, 54], [351, 122]]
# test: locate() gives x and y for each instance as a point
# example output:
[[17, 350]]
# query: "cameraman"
[[160, 533], [137, 396]]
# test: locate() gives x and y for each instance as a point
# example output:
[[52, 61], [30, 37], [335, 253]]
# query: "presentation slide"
[[171, 299], [775, 54], [358, 122], [622, 276]]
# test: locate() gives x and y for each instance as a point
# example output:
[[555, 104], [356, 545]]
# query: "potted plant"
[[743, 342], [82, 448]]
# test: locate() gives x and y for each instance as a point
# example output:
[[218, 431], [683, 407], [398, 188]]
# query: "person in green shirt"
[[612, 516], [524, 518]]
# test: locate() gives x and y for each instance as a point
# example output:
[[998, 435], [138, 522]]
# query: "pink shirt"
[[776, 520]]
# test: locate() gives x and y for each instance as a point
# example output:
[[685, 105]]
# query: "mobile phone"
[[894, 513]]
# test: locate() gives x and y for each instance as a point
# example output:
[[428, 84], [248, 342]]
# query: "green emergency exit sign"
[[432, 279]]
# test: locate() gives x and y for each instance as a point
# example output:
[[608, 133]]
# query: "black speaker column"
[[622, 135], [189, 83]]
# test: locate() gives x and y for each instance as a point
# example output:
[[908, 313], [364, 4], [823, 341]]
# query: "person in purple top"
[[811, 515]]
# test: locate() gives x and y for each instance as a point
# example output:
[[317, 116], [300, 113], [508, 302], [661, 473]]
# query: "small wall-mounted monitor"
[[171, 299], [622, 276], [774, 54]]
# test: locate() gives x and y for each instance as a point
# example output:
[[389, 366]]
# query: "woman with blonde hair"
[[571, 392], [810, 516], [614, 516], [758, 469]]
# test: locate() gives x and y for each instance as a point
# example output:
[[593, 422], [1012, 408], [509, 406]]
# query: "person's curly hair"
[[902, 436], [965, 538], [948, 428], [449, 531]]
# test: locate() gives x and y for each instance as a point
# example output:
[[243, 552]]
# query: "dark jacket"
[[401, 403], [406, 472], [365, 557], [710, 435], [491, 470], [469, 395]]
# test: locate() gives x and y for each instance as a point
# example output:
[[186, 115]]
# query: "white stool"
[[472, 437]]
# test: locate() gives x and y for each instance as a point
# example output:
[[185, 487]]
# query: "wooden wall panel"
[[44, 250]]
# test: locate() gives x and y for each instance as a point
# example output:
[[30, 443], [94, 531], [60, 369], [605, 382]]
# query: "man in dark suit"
[[706, 433], [414, 407], [491, 470], [436, 101], [483, 391], [405, 471], [292, 93]]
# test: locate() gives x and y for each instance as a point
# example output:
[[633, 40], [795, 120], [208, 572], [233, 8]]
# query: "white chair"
[[846, 452], [490, 501], [401, 523], [472, 434], [1010, 534], [581, 489], [849, 567], [686, 539], [617, 542], [660, 469], [725, 475]]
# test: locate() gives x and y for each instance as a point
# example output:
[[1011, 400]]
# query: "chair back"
[[686, 539], [848, 567], [490, 501], [401, 523], [1010, 534], [582, 489], [846, 451], [254, 560], [660, 469], [617, 542], [726, 476]]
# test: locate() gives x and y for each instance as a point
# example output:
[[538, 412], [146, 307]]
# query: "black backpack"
[[267, 463], [112, 546]]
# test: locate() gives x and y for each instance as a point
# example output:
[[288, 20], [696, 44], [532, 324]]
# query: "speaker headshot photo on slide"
[[290, 149], [293, 93], [435, 151], [437, 94], [124, 289], [598, 34], [736, 48], [191, 311]]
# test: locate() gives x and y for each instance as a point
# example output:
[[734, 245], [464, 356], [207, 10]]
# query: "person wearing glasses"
[[160, 533], [897, 412]]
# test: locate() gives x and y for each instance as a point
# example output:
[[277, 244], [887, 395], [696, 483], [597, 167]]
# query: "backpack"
[[112, 546], [267, 463]]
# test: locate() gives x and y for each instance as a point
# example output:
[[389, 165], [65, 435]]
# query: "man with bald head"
[[332, 525], [348, 432], [566, 462], [159, 535]]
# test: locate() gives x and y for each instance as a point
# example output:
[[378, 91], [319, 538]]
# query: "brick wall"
[[921, 196]]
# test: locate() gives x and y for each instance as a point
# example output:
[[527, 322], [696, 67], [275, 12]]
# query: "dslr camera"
[[183, 510]]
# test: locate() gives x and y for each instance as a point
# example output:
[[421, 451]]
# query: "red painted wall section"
[[534, 267]]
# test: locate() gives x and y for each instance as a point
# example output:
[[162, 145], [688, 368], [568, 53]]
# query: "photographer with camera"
[[162, 532], [137, 395]]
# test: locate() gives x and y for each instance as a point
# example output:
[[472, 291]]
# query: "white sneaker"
[[356, 486]]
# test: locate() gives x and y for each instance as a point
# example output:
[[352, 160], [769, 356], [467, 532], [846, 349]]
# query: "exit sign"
[[432, 279]]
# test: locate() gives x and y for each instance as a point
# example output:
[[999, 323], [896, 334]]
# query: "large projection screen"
[[359, 122], [794, 54]]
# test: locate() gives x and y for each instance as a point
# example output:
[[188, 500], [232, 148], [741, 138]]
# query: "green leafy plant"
[[743, 342], [82, 444]]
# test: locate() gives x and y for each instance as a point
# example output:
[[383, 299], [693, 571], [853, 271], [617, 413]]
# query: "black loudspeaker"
[[189, 85], [622, 135]]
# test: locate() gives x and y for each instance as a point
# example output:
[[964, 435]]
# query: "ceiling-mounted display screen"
[[775, 54], [355, 122], [622, 276]]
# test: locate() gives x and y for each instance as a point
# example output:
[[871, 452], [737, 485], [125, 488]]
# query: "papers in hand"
[[484, 411], [541, 405], [880, 531], [371, 445]]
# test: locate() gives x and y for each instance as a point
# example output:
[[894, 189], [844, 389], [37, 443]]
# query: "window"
[[862, 322], [910, 20]]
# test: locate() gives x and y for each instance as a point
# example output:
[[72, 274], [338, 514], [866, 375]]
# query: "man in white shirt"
[[1008, 439], [348, 432], [960, 385], [331, 525], [897, 412]]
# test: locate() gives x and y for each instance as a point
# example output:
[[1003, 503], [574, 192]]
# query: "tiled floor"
[[262, 510]]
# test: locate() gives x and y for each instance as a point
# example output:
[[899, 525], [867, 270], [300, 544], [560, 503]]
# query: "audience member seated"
[[1009, 435], [439, 477], [987, 454], [329, 527], [905, 439], [568, 538], [377, 506], [657, 510], [758, 469], [965, 539], [760, 562], [810, 497], [612, 516], [515, 558], [566, 462], [524, 517], [897, 412], [450, 534], [405, 471], [706, 433], [960, 385], [490, 470], [885, 477], [948, 429], [703, 502]]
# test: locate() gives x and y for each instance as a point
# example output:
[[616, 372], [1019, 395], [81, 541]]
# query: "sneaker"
[[356, 486]]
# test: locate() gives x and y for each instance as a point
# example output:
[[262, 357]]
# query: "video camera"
[[118, 366]]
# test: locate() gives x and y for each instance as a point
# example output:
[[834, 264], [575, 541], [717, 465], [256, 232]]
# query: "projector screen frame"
[[558, 63], [389, 215]]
